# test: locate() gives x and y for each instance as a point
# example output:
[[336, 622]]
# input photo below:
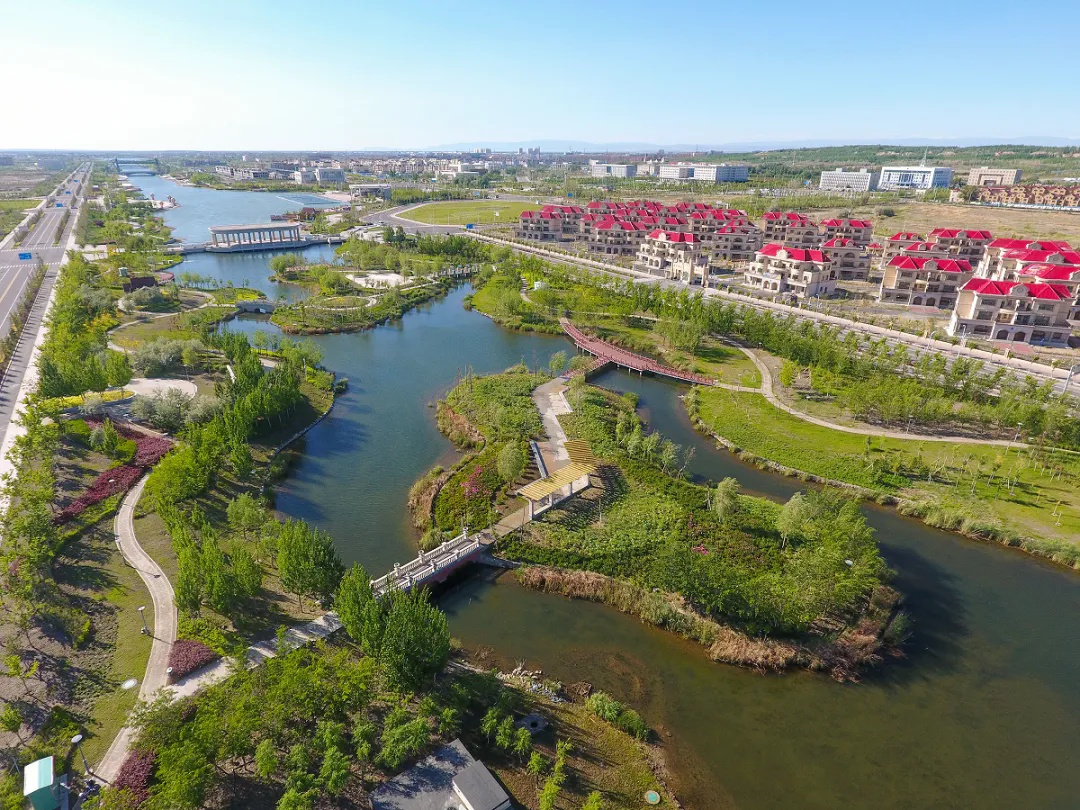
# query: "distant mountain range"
[[570, 145]]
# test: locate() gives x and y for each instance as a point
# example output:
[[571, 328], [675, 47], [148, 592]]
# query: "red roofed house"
[[790, 228], [990, 264], [849, 259], [797, 272], [617, 237], [922, 281], [962, 243], [571, 215], [1009, 310], [1013, 262], [661, 249], [861, 231], [1067, 275], [540, 226], [736, 243], [896, 243]]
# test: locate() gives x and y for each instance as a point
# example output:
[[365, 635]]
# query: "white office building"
[[844, 180], [896, 178], [705, 172], [613, 169], [330, 177]]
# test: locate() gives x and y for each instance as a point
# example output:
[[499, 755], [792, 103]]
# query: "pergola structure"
[[546, 492], [254, 235]]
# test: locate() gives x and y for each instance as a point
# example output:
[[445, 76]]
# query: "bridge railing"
[[427, 564]]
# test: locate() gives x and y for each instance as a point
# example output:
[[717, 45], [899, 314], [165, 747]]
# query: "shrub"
[[135, 775], [109, 483], [186, 656], [612, 711]]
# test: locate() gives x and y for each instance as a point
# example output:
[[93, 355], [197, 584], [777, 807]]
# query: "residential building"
[[617, 237], [661, 248], [993, 177], [925, 250], [690, 268], [613, 170], [990, 265], [1067, 275], [966, 244], [790, 228], [897, 178], [895, 244], [843, 180], [330, 177], [860, 231], [736, 243], [850, 261], [1036, 195], [540, 226], [923, 281], [449, 778], [571, 215], [1013, 311], [794, 272]]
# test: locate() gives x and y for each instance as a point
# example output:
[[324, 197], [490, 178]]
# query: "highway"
[[14, 275]]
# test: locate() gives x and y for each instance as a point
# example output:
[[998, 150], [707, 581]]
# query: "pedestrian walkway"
[[626, 359]]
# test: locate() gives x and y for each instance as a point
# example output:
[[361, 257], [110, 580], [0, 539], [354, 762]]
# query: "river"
[[983, 713]]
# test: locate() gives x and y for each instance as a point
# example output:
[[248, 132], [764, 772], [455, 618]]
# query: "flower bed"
[[107, 484], [186, 656], [135, 775], [148, 452]]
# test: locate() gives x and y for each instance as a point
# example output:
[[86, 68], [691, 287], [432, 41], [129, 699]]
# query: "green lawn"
[[462, 212], [18, 205], [753, 424]]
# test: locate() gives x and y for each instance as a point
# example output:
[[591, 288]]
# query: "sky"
[[352, 75]]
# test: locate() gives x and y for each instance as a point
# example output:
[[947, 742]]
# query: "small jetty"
[[606, 353]]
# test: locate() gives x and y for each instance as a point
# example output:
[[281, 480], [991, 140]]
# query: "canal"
[[983, 712]]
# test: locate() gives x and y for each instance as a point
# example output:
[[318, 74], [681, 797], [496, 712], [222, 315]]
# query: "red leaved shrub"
[[149, 449], [186, 656], [135, 775], [107, 484]]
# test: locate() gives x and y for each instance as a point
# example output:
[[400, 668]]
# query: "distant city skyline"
[[414, 75]]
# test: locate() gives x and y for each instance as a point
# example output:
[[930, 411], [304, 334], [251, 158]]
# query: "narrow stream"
[[983, 713]]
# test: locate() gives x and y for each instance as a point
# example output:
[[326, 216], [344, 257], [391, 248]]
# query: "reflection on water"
[[982, 714]]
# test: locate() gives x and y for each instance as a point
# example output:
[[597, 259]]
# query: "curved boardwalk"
[[621, 357]]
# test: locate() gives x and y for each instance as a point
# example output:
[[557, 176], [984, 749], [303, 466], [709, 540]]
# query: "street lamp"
[[142, 615], [77, 742]]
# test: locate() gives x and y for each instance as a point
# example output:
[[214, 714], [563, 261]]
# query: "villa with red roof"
[[1010, 310], [736, 243], [994, 254], [797, 272], [962, 243], [849, 259], [540, 226], [922, 281], [860, 231], [895, 244], [662, 249], [790, 228], [617, 237]]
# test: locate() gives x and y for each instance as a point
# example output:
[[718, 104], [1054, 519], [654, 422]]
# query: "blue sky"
[[355, 75]]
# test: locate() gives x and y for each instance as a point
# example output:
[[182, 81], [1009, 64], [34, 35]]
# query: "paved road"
[[391, 218], [163, 629]]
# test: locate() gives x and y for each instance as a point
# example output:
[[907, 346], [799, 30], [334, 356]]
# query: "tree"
[[245, 514], [360, 613], [594, 801], [266, 760], [117, 369], [726, 499], [557, 363], [334, 773], [415, 643], [189, 581], [793, 517], [307, 561], [537, 765], [511, 461]]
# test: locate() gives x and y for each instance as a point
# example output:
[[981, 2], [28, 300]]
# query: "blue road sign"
[[24, 256], [59, 205], [469, 226]]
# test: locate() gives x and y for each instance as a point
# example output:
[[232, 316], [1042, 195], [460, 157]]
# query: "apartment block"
[[1010, 310], [850, 261], [1038, 195], [919, 178], [794, 272], [843, 180], [662, 248], [993, 177], [613, 170], [860, 231], [920, 281]]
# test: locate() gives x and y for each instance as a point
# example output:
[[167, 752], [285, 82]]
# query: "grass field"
[[463, 212], [17, 205], [753, 424], [924, 217]]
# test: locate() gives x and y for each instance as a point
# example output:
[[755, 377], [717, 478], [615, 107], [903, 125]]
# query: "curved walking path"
[[766, 390], [163, 629]]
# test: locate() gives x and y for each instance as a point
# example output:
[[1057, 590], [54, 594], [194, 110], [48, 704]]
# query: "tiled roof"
[[920, 262], [1053, 272], [673, 236], [839, 241], [1048, 292], [905, 236], [848, 223], [798, 254]]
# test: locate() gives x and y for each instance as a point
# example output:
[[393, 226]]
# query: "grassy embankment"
[[12, 213], [991, 492]]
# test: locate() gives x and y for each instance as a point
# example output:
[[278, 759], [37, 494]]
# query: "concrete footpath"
[[163, 629]]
